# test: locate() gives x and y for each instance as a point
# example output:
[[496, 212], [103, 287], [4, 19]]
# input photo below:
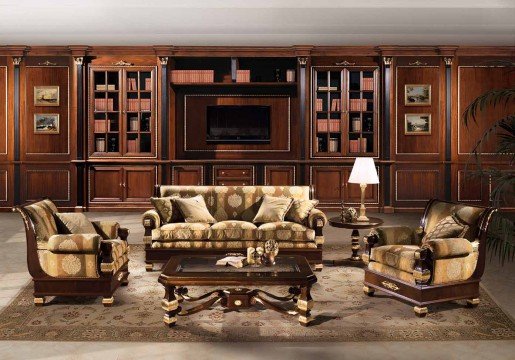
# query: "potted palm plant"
[[500, 240]]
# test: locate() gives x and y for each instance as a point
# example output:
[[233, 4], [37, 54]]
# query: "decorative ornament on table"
[[348, 215], [259, 255], [251, 255], [271, 251]]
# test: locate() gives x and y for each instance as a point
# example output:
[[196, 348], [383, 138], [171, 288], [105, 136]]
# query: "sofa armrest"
[[107, 229], [151, 221], [447, 248], [74, 244], [316, 219]]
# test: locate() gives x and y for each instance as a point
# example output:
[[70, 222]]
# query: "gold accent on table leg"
[[368, 290], [472, 303], [304, 305], [169, 305], [39, 301], [319, 267], [149, 267], [420, 311], [304, 321], [390, 285], [169, 320], [108, 301]]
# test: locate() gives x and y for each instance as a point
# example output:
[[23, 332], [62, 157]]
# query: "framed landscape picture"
[[46, 123], [46, 95], [417, 95], [417, 124]]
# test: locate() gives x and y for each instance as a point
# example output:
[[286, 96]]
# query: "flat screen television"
[[238, 124]]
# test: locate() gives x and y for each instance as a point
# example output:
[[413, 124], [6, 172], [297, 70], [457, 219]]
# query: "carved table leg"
[[170, 305], [355, 245], [304, 306]]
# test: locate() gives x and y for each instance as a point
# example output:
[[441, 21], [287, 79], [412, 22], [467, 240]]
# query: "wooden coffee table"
[[182, 271]]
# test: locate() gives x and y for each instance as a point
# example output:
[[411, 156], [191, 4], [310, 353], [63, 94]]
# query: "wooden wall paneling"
[[473, 81], [54, 180], [468, 189], [278, 175], [422, 147], [6, 186], [234, 175], [40, 146], [328, 182], [139, 182], [352, 192], [187, 175], [415, 184], [508, 199], [105, 184], [4, 114]]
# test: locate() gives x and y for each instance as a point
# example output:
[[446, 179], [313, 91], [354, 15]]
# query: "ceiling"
[[257, 22]]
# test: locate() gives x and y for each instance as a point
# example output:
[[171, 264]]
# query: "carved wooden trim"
[[17, 61], [47, 63], [344, 63], [387, 61], [163, 60], [417, 63], [448, 61], [79, 60], [303, 61], [123, 63]]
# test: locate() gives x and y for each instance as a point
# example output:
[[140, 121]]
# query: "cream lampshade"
[[363, 172]]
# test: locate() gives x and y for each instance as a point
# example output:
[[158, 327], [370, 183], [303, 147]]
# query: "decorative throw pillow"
[[448, 227], [300, 210], [74, 223], [166, 209], [194, 210], [272, 209]]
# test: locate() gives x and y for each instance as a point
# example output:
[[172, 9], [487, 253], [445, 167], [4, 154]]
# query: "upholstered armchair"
[[73, 264], [440, 261]]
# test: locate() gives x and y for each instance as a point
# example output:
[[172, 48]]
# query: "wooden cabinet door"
[[328, 181], [106, 184], [352, 192], [139, 183], [279, 175], [188, 175]]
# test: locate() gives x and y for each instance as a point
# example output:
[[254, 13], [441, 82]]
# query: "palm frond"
[[500, 239], [492, 97]]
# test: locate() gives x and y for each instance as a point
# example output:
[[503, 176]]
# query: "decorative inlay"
[[17, 61], [417, 63], [390, 285], [345, 63], [47, 63], [122, 63]]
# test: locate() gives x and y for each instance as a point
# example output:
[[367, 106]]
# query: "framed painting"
[[417, 124], [46, 95], [46, 123], [417, 95]]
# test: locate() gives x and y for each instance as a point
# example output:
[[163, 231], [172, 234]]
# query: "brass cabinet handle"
[[223, 184], [244, 173], [223, 172]]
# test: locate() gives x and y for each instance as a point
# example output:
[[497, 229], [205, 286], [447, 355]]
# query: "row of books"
[[334, 145], [138, 104], [104, 87], [357, 104], [193, 76], [100, 126], [327, 88], [132, 145], [335, 105], [132, 84], [242, 76], [356, 125], [104, 104], [332, 125], [368, 84], [358, 145]]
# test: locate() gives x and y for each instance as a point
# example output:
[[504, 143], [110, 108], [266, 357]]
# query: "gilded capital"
[[387, 61], [163, 60], [303, 61], [79, 60], [448, 61], [17, 60]]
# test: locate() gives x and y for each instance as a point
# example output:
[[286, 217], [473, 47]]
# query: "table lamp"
[[363, 173]]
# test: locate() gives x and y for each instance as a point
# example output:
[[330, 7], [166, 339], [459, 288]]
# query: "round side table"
[[355, 226]]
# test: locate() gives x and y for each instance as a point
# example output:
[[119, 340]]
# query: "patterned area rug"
[[342, 313]]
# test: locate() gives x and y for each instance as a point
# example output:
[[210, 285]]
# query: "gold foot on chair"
[[420, 311], [319, 267], [149, 266], [368, 290], [39, 301], [124, 282], [107, 302], [472, 303]]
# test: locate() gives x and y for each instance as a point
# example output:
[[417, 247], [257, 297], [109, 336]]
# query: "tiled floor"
[[498, 281]]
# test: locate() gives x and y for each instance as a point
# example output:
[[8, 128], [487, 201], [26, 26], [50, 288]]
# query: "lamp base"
[[363, 218]]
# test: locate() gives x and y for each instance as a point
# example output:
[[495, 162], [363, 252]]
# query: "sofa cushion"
[[285, 231], [194, 210], [272, 209], [448, 227], [74, 223], [300, 210], [182, 231], [119, 247], [233, 230], [166, 209], [401, 257], [231, 244]]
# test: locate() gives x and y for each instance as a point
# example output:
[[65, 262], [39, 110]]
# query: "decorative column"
[[386, 130], [165, 136], [81, 130], [16, 63], [448, 126], [302, 113]]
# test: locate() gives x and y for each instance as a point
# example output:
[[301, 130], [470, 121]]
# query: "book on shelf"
[[132, 145], [327, 88], [100, 144], [358, 104], [358, 145], [334, 125], [236, 261], [356, 125], [322, 125], [100, 126], [319, 105], [363, 144], [133, 123], [192, 76], [104, 104], [148, 83], [368, 84], [335, 105], [242, 76], [290, 75], [333, 145], [111, 87], [101, 87], [131, 84]]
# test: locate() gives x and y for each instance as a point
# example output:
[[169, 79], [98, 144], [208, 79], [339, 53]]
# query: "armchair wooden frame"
[[423, 293], [45, 285], [152, 256]]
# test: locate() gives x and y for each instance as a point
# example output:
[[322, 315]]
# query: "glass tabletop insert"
[[207, 264]]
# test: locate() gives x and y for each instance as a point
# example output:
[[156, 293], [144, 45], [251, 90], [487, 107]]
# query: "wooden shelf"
[[249, 84]]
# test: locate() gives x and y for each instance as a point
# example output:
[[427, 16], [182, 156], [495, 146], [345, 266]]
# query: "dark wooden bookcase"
[[122, 111], [345, 111]]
